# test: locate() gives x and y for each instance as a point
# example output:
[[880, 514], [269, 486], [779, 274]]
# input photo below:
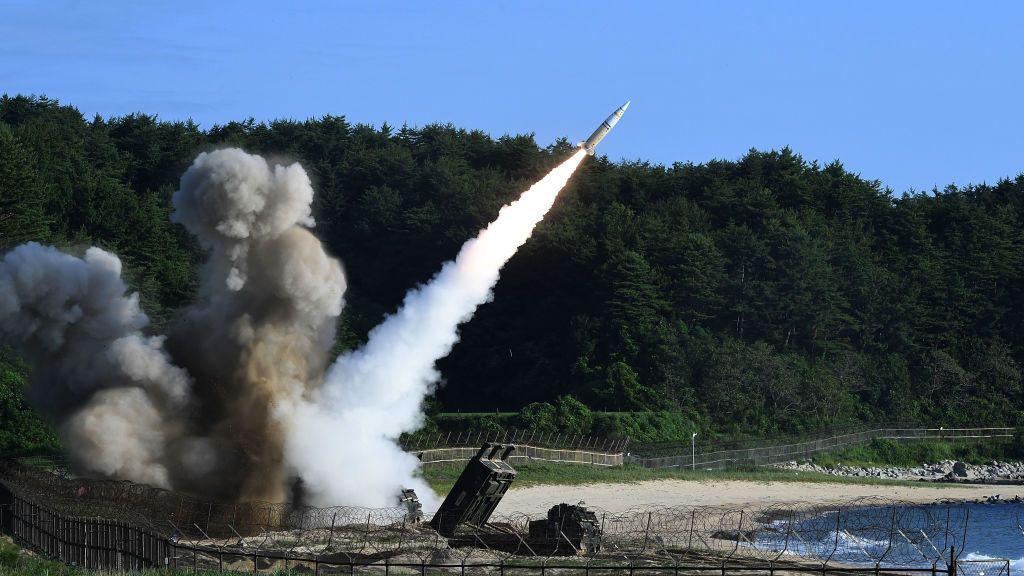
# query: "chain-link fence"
[[786, 452], [524, 453], [983, 567], [456, 449], [422, 440]]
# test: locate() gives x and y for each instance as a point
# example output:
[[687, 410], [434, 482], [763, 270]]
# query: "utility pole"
[[693, 451]]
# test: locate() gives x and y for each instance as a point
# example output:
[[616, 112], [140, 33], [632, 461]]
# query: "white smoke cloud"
[[230, 199], [374, 394], [120, 434], [113, 388]]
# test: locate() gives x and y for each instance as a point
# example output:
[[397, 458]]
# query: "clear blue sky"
[[915, 94]]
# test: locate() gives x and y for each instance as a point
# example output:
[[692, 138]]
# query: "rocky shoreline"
[[952, 471]]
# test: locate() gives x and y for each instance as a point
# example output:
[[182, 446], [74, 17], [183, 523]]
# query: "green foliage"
[[539, 417], [762, 296], [490, 425], [885, 452], [572, 416], [1017, 445], [10, 555], [644, 427], [21, 430], [22, 216]]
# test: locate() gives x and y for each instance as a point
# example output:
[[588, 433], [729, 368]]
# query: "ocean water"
[[995, 531], [907, 536]]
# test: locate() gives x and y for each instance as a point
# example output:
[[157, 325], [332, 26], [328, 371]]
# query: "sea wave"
[[1016, 566], [862, 542]]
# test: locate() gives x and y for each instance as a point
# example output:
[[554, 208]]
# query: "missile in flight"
[[590, 143]]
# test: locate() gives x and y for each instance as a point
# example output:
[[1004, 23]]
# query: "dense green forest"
[[760, 296]]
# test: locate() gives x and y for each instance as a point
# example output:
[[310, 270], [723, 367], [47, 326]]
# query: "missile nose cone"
[[590, 143]]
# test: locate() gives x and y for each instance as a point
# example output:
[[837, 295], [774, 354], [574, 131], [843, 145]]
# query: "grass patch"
[[537, 473], [882, 452], [9, 554]]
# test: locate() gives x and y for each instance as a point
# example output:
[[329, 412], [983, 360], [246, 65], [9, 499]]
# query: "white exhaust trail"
[[343, 443]]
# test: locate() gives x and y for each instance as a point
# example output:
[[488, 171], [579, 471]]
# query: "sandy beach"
[[621, 497]]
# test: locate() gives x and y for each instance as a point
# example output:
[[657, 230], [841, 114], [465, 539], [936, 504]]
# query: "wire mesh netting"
[[983, 567]]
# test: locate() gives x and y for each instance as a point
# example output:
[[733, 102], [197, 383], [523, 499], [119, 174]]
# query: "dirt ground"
[[621, 497]]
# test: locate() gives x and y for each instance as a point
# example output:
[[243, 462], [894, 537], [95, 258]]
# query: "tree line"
[[765, 295]]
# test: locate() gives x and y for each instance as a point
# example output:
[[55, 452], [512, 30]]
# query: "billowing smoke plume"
[[213, 420], [232, 200], [259, 339], [375, 393], [113, 390], [235, 404]]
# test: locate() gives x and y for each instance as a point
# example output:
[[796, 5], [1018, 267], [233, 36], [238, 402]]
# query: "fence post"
[[693, 518], [647, 533]]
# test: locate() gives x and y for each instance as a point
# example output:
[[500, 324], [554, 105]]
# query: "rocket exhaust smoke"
[[237, 401], [373, 394]]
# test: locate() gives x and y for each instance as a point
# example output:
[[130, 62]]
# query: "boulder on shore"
[[960, 470]]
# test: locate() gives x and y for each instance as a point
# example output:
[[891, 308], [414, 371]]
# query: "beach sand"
[[620, 497]]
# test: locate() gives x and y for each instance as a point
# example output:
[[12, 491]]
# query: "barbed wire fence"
[[119, 525]]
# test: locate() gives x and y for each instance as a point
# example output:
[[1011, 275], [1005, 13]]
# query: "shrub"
[[539, 417], [643, 427], [893, 453], [1017, 448], [9, 555], [490, 426], [573, 416]]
